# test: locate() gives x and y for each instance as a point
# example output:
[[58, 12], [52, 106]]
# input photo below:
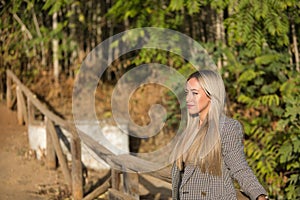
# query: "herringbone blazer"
[[193, 184]]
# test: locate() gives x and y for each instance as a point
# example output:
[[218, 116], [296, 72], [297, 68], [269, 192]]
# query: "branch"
[[36, 24], [23, 27], [40, 35]]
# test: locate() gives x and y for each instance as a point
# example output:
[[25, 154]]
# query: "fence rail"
[[120, 185]]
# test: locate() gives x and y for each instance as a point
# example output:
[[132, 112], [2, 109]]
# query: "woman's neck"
[[202, 118], [202, 121]]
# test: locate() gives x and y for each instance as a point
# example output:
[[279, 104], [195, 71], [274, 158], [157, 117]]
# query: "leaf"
[[285, 152], [55, 5], [271, 88], [266, 59], [176, 5], [48, 4], [249, 75], [269, 100], [296, 143], [282, 123], [193, 6], [244, 99]]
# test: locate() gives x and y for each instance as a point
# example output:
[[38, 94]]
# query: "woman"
[[211, 153]]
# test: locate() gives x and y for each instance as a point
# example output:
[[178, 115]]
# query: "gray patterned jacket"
[[197, 185]]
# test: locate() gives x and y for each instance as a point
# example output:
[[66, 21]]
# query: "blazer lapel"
[[175, 182], [189, 169]]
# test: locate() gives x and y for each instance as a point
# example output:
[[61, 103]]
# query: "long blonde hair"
[[202, 146]]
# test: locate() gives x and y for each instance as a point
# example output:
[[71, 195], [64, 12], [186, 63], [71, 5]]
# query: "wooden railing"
[[125, 187], [73, 177]]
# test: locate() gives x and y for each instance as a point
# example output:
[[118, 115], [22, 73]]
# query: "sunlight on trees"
[[254, 43]]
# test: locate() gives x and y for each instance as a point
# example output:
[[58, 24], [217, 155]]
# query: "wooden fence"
[[122, 184]]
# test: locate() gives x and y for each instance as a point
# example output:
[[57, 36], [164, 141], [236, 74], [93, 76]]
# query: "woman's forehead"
[[193, 83]]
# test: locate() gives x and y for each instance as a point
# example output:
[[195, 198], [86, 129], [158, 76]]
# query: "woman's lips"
[[189, 106]]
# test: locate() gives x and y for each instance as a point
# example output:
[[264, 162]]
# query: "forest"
[[254, 43]]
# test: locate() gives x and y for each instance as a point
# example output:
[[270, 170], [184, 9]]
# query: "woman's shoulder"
[[225, 120], [230, 126]]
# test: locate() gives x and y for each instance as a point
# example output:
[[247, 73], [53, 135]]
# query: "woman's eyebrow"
[[195, 90], [192, 89]]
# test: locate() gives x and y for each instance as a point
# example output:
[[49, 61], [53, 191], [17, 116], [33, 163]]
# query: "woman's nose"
[[188, 97]]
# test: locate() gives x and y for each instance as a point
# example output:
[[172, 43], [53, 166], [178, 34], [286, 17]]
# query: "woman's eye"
[[195, 93]]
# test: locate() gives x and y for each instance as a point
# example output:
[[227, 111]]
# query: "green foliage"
[[55, 6], [143, 13], [263, 89], [28, 36], [257, 24], [267, 101], [266, 94]]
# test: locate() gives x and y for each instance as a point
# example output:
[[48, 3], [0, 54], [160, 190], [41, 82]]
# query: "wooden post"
[[30, 111], [115, 179], [77, 183], [19, 107], [8, 91], [50, 151], [98, 191], [23, 107], [114, 194], [131, 184], [61, 158]]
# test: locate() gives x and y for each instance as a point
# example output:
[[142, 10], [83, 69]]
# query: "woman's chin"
[[193, 114]]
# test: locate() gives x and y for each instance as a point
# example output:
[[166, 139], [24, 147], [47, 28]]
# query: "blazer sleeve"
[[235, 160]]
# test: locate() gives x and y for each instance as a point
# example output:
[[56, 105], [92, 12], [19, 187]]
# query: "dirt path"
[[21, 175]]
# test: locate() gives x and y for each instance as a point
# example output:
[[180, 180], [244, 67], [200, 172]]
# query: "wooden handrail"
[[73, 179], [122, 162], [130, 162], [41, 107]]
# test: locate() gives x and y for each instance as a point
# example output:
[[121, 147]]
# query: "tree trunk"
[[56, 69], [74, 56], [99, 17], [219, 34], [295, 44]]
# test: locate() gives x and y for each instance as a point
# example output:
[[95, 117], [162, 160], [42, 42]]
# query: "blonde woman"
[[210, 153]]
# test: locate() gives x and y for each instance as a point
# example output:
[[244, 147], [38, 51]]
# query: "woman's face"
[[196, 99]]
